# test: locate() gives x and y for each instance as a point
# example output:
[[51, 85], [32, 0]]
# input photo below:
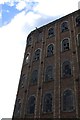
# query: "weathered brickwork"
[[61, 79]]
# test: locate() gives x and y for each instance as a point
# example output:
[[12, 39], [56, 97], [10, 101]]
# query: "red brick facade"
[[59, 83]]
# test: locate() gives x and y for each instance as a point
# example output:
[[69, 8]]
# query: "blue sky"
[[17, 19]]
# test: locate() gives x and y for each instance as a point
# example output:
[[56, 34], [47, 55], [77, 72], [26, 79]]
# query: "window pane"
[[37, 55], [49, 73], [64, 26], [67, 100], [78, 21], [66, 69], [34, 77], [47, 103], [31, 105], [51, 32], [50, 50], [65, 44]]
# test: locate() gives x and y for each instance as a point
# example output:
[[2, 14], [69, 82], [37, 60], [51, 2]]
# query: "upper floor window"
[[47, 102], [50, 50], [51, 32], [34, 77], [49, 73], [27, 57], [65, 44], [68, 100], [18, 108], [31, 105], [29, 41], [66, 69], [64, 26], [22, 80], [39, 36], [78, 39], [36, 55], [78, 21]]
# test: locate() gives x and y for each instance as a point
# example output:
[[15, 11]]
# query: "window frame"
[[48, 92], [78, 40], [66, 76], [28, 60], [63, 98], [64, 29], [51, 35], [47, 50], [31, 81], [67, 38], [52, 76], [35, 60], [76, 22], [28, 106]]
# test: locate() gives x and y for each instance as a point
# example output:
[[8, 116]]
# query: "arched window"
[[18, 108], [29, 41], [65, 44], [47, 102], [68, 100], [49, 73], [50, 50], [27, 57], [78, 39], [78, 21], [31, 105], [64, 26], [34, 77], [51, 32], [66, 69], [36, 55]]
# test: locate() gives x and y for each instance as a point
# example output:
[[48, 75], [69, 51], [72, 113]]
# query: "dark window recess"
[[79, 40], [64, 26], [31, 105], [34, 77], [51, 32], [36, 55], [66, 69], [47, 103], [68, 101], [50, 50], [78, 21], [65, 45], [29, 41], [49, 73], [18, 107]]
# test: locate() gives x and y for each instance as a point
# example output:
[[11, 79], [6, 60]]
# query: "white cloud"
[[21, 5], [12, 45], [56, 7]]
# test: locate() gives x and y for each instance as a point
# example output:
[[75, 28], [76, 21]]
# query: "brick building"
[[49, 84]]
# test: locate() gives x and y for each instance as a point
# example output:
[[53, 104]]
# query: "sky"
[[17, 19]]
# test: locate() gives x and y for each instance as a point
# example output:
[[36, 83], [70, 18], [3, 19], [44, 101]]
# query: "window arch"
[[78, 39], [27, 58], [64, 26], [78, 20], [34, 77], [37, 55], [50, 50], [51, 32], [49, 73], [68, 100], [66, 69], [29, 41], [31, 105], [47, 102], [65, 44]]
